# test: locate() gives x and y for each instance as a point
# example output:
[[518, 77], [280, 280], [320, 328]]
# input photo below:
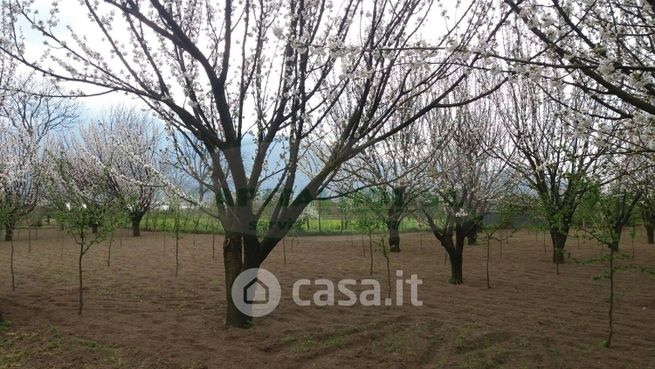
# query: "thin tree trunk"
[[11, 265], [370, 249], [63, 236], [177, 254], [611, 307], [388, 280], [79, 269], [29, 239], [111, 240], [488, 254]]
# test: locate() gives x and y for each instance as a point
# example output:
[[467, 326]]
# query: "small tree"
[[506, 209], [384, 250], [77, 217], [366, 218], [112, 223], [77, 189], [609, 210], [177, 230]]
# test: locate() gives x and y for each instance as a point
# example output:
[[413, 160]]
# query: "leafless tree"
[[34, 108]]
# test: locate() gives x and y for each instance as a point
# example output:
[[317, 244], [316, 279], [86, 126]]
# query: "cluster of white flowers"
[[461, 213]]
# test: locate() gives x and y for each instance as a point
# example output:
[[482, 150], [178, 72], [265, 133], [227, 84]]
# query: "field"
[[198, 222], [139, 315]]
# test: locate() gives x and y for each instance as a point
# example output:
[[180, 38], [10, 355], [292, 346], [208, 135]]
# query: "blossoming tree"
[[466, 180], [267, 75], [78, 191], [605, 43], [132, 161], [29, 117], [558, 139]]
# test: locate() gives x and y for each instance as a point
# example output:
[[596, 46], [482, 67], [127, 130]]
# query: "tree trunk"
[[94, 228], [136, 225], [488, 254], [177, 253], [610, 313], [559, 240], [456, 270], [394, 235], [394, 216], [111, 240], [650, 230], [9, 231], [233, 263], [454, 252], [79, 269], [370, 251], [11, 265]]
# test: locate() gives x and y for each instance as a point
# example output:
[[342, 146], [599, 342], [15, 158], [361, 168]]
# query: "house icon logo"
[[256, 292]]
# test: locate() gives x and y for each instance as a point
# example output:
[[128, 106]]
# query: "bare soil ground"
[[139, 315]]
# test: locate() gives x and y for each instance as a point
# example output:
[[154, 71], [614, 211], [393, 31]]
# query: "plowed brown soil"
[[139, 315]]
